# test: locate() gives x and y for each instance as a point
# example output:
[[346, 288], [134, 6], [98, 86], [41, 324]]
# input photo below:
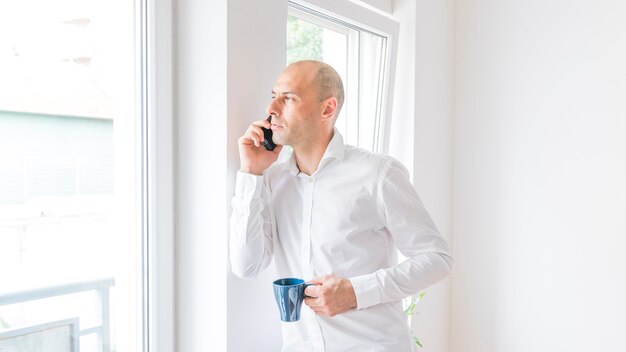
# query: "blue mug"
[[289, 294]]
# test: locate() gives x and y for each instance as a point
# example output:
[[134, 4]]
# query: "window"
[[361, 57], [71, 170]]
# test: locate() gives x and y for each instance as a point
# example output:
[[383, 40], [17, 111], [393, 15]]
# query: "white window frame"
[[375, 22], [352, 80], [158, 297], [153, 70]]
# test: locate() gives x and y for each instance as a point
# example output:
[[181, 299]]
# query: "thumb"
[[277, 149]]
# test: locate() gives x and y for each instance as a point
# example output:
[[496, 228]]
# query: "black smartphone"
[[268, 143]]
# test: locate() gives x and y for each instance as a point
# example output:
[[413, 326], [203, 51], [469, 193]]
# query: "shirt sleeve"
[[250, 242], [414, 234]]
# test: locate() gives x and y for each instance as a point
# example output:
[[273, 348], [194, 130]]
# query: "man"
[[333, 214]]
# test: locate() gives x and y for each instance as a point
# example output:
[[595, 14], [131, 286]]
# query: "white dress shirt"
[[347, 219]]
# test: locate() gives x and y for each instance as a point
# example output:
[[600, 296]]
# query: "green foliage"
[[3, 323], [304, 40], [409, 309], [410, 303], [417, 341]]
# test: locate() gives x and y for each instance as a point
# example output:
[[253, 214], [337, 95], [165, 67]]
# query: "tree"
[[304, 40]]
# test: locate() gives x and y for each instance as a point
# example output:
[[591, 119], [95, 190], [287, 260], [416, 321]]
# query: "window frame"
[[153, 92], [361, 18], [155, 33]]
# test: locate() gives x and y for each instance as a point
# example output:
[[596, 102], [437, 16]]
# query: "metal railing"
[[101, 286]]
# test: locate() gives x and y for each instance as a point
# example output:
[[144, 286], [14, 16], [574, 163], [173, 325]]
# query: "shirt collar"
[[335, 150]]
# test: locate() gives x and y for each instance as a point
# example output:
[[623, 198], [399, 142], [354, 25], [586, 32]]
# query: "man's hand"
[[253, 156], [330, 296]]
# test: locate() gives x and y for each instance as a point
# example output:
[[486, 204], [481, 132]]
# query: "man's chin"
[[277, 139]]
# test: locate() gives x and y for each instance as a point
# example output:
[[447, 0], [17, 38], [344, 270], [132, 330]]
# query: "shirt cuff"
[[248, 185], [366, 290]]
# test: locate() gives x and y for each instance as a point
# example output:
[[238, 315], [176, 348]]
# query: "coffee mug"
[[289, 294]]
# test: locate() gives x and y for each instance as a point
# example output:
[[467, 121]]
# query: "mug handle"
[[307, 284]]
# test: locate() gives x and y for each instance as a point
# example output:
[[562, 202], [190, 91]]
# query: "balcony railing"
[[100, 286]]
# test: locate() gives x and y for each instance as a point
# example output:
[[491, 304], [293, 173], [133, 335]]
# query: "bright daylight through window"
[[358, 55], [70, 176]]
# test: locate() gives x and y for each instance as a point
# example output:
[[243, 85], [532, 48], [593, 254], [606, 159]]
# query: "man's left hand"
[[330, 296]]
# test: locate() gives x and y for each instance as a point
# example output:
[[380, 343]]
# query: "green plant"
[[304, 40], [3, 323], [409, 304]]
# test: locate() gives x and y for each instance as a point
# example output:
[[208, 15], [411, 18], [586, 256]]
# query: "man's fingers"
[[315, 306], [331, 295], [256, 131], [262, 123], [253, 157], [248, 139], [255, 135], [318, 308], [312, 291]]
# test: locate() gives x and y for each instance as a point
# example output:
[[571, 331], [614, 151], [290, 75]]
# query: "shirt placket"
[[307, 215], [307, 212]]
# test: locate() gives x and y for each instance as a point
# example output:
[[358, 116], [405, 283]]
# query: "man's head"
[[306, 100], [329, 84]]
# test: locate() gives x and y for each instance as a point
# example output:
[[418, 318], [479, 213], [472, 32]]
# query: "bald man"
[[335, 215]]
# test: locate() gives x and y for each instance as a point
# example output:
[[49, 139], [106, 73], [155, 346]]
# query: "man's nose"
[[273, 108]]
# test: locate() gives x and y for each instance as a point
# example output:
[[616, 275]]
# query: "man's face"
[[295, 106]]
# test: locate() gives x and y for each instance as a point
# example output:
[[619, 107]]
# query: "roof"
[[62, 88]]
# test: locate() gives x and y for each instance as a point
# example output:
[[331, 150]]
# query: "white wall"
[[434, 113], [256, 55], [227, 55], [421, 135], [385, 6], [201, 216], [540, 170]]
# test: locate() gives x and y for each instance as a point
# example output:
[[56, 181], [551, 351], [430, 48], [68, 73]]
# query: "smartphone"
[[268, 143]]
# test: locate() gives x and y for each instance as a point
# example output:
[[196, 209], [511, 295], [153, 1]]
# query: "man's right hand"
[[253, 156]]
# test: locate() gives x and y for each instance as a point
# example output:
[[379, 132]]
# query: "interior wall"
[[540, 164], [385, 6], [434, 114], [421, 136], [256, 55], [200, 122]]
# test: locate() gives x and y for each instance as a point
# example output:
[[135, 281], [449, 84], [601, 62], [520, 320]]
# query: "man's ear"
[[330, 108]]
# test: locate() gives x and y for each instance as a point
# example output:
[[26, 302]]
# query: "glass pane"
[[69, 170], [372, 49], [304, 40], [359, 58], [309, 41]]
